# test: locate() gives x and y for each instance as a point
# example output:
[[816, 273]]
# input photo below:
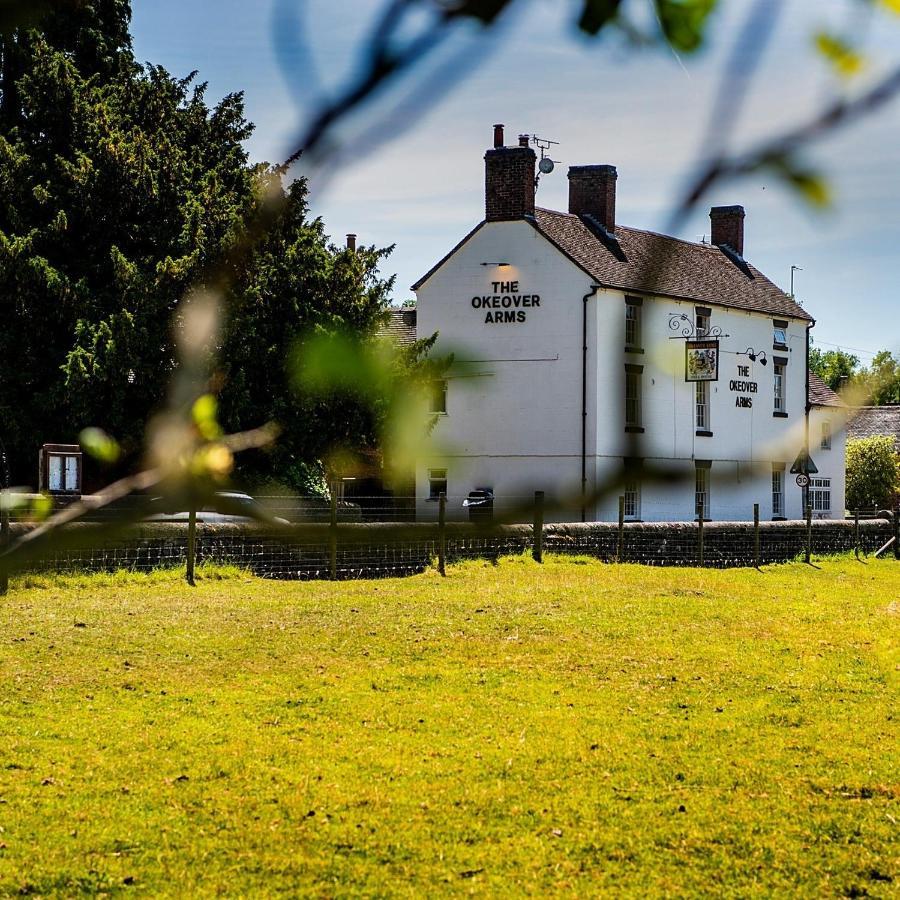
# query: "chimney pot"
[[727, 227], [592, 192], [523, 140], [351, 242], [498, 136]]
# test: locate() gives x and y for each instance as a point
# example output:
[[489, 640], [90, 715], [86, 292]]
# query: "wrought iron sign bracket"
[[689, 332]]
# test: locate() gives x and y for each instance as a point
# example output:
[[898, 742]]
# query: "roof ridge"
[[668, 237]]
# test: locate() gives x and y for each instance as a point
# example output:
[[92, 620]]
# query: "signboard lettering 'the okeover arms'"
[[505, 304], [742, 386]]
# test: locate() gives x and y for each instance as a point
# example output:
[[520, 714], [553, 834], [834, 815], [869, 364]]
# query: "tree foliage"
[[834, 367], [122, 188], [877, 384], [873, 473]]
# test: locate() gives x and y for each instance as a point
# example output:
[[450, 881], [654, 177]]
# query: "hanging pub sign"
[[701, 361]]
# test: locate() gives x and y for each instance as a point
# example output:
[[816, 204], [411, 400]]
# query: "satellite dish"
[[546, 165]]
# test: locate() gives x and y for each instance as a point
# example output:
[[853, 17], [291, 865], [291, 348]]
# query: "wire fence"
[[347, 548]]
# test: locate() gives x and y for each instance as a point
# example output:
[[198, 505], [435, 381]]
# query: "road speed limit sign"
[[802, 480]]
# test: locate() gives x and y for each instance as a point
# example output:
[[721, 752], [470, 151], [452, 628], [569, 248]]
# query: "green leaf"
[[683, 22], [845, 61], [41, 507], [204, 414], [808, 183], [98, 444], [597, 13]]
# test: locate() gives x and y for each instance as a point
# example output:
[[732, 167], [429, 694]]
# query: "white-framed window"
[[701, 491], [632, 492], [779, 338], [702, 405], [777, 490], [62, 472], [631, 488], [820, 495], [633, 396], [633, 323], [437, 399], [779, 370], [825, 441], [437, 483], [701, 322]]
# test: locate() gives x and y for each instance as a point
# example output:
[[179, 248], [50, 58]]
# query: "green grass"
[[570, 729]]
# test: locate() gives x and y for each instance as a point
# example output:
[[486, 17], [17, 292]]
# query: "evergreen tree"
[[121, 187]]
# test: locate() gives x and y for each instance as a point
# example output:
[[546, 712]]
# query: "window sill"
[[634, 429], [701, 433], [634, 350], [437, 412], [779, 347], [779, 415]]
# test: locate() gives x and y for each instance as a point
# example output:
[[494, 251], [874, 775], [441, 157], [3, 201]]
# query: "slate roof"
[[401, 326], [820, 394], [650, 263], [646, 262], [871, 421]]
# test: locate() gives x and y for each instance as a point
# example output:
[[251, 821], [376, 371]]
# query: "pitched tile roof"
[[652, 263], [401, 326], [871, 421], [820, 394]]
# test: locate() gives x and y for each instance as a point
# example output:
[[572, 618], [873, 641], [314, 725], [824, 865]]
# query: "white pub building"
[[593, 360]]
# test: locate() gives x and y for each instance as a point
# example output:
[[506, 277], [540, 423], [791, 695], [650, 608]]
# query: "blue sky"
[[644, 111]]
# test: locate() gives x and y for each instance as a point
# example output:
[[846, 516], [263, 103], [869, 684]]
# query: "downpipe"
[[584, 349]]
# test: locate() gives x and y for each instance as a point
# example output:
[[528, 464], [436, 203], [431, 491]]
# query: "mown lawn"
[[572, 728]]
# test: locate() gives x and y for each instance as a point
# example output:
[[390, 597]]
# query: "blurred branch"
[[780, 152]]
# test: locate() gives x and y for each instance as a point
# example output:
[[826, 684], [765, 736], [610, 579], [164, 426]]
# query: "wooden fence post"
[[856, 533], [191, 546], [756, 535], [808, 533], [442, 533], [897, 533], [332, 536], [620, 543], [4, 543], [700, 533], [538, 533]]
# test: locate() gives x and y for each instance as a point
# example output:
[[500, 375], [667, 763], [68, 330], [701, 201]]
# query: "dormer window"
[[779, 335], [701, 321]]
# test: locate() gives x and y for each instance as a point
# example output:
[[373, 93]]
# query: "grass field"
[[575, 728]]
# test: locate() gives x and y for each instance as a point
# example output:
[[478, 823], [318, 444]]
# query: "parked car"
[[226, 506]]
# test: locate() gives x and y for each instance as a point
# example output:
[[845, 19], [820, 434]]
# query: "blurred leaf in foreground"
[[98, 444], [843, 58]]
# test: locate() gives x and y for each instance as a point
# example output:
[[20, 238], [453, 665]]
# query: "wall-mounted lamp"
[[501, 264], [753, 355]]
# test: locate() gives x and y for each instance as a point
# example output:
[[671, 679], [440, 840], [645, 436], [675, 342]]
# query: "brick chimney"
[[592, 191], [351, 242], [727, 227], [508, 180]]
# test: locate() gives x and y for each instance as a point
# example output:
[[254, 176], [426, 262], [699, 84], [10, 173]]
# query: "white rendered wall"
[[831, 463], [513, 418], [514, 403]]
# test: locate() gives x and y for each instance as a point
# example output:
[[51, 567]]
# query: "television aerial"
[[545, 165]]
